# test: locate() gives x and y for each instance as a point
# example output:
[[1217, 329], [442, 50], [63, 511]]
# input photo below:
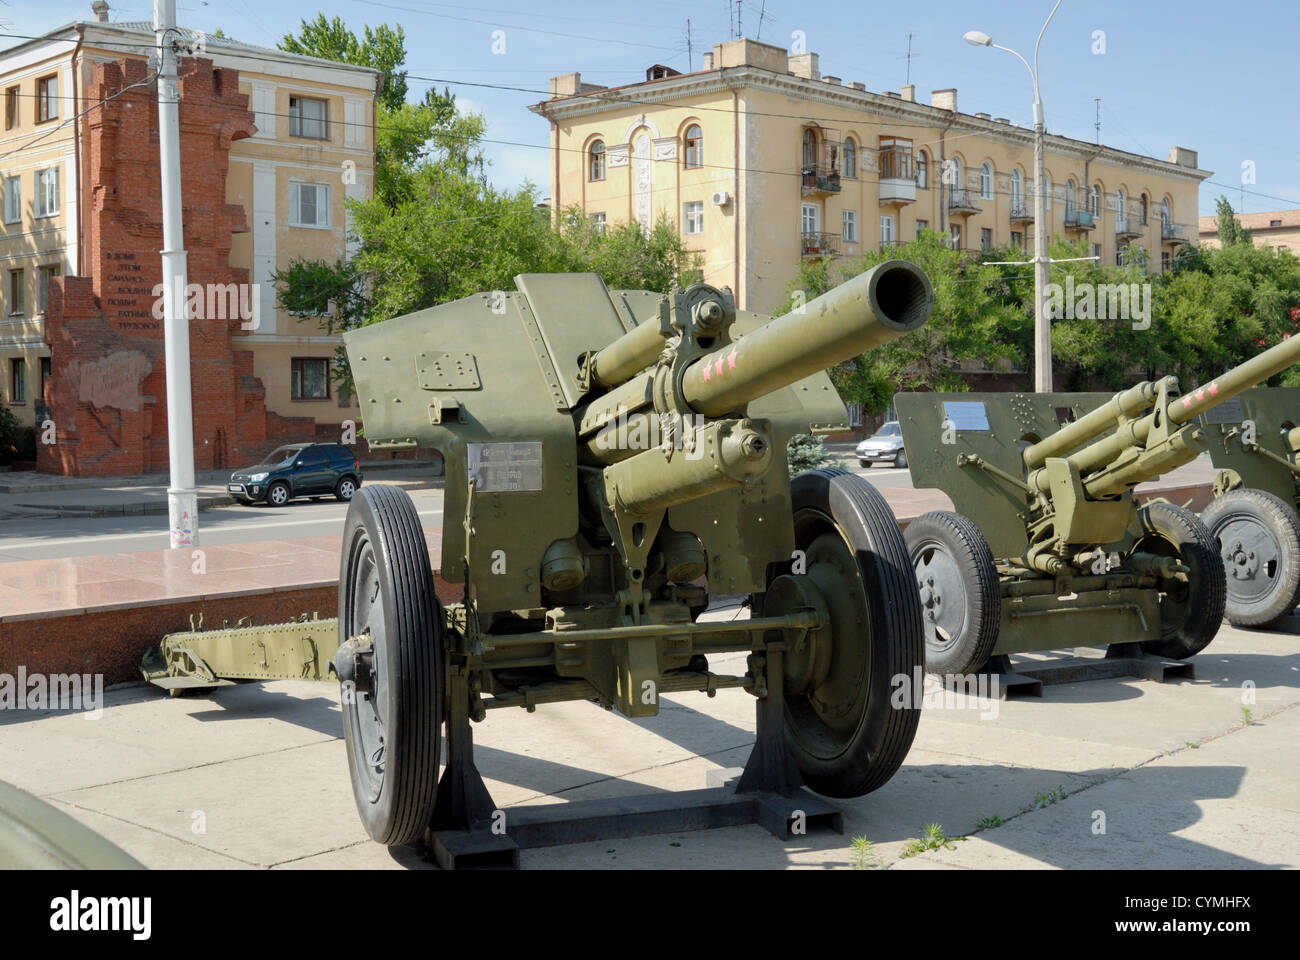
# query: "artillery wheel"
[[961, 601], [842, 731], [392, 727], [1190, 611], [1258, 535]]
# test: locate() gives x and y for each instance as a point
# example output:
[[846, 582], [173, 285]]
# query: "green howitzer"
[[1254, 441], [613, 458], [1047, 548]]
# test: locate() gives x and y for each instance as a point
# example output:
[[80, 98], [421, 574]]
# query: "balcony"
[[963, 203], [1172, 232], [1127, 228], [1076, 219], [896, 179], [1022, 213], [820, 180], [815, 245]]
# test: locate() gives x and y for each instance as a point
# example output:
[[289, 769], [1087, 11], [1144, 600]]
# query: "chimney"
[[944, 99], [1001, 120], [804, 65], [894, 94], [708, 62], [566, 85], [100, 9], [833, 81], [1183, 157], [856, 85], [909, 92], [984, 116]]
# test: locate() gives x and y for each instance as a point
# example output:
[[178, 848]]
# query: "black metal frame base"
[[1121, 660], [469, 832]]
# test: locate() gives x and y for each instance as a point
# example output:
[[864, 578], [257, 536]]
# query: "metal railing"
[[819, 244]]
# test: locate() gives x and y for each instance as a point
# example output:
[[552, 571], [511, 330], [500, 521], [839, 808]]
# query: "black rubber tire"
[[1277, 517], [340, 488], [900, 459], [270, 498], [1191, 620], [865, 463], [382, 534], [968, 648], [827, 500]]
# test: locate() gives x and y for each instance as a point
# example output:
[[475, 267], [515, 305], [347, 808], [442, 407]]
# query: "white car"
[[886, 446]]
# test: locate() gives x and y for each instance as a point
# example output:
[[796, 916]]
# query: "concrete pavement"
[[1124, 774]]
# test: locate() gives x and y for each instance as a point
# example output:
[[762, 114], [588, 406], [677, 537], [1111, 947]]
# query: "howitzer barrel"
[[886, 302], [1238, 380], [1129, 403]]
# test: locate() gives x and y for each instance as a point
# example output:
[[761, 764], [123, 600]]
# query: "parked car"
[[886, 446], [299, 470]]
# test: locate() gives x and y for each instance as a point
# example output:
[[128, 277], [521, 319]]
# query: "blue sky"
[[1218, 78]]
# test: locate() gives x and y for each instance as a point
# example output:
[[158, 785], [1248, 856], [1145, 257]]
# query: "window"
[[45, 379], [1164, 261], [921, 225], [850, 231], [13, 98], [1069, 198], [13, 199], [1143, 210], [309, 205], [886, 229], [922, 171], [1121, 204], [15, 292], [599, 220], [596, 161], [310, 378], [850, 159], [1271, 223], [1017, 238], [810, 218], [1017, 190], [47, 99], [809, 150], [986, 181], [314, 457], [1095, 200], [43, 288], [986, 239], [953, 174], [18, 380], [307, 118], [1166, 218], [694, 146], [47, 192], [693, 217], [954, 238], [1096, 252]]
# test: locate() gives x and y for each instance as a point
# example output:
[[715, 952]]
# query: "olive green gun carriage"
[[1254, 439], [1047, 548], [613, 459]]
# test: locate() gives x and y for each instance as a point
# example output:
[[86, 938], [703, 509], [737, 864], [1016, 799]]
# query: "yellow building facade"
[[763, 161], [313, 147]]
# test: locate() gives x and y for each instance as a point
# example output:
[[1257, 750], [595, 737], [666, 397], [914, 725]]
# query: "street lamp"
[[1042, 328]]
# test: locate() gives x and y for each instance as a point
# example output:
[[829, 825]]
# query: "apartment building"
[[272, 143], [763, 161], [1279, 229]]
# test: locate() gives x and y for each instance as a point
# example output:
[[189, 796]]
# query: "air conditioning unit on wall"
[[721, 198]]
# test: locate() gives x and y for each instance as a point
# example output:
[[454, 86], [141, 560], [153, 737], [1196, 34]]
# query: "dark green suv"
[[299, 470]]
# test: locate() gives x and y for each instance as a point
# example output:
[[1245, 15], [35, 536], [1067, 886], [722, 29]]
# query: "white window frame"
[[599, 220], [13, 190], [43, 191], [886, 228], [849, 226], [986, 181], [295, 205], [810, 213], [302, 120], [1096, 252], [954, 237], [1017, 190], [693, 217], [850, 159]]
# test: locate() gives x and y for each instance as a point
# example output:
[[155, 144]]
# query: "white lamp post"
[[1042, 328]]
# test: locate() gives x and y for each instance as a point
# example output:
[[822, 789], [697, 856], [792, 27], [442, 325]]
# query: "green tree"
[[383, 48], [1230, 229]]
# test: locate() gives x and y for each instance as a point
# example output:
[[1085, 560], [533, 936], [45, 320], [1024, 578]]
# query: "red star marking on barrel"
[[1200, 394], [731, 359], [1187, 401], [1214, 389], [719, 368], [707, 368]]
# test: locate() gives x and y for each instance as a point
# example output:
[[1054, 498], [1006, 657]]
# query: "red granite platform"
[[98, 614]]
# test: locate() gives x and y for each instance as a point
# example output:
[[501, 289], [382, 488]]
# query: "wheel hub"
[[941, 584], [1251, 555]]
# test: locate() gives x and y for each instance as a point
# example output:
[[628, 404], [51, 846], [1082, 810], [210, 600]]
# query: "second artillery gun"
[[1254, 442], [1047, 548]]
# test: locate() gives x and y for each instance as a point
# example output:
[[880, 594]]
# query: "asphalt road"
[[36, 538]]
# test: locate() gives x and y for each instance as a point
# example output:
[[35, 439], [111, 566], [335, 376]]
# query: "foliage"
[[806, 452], [933, 838], [383, 48], [1229, 227], [864, 854], [9, 430], [977, 316]]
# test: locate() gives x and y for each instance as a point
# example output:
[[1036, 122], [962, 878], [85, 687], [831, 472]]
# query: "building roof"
[[226, 44], [1256, 221]]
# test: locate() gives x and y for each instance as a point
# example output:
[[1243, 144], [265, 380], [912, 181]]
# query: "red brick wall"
[[108, 391]]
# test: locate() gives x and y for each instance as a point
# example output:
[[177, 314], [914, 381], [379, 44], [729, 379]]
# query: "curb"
[[113, 509]]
